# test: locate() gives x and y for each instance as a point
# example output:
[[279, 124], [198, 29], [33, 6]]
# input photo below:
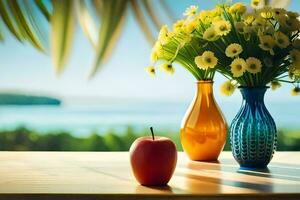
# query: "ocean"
[[81, 120]]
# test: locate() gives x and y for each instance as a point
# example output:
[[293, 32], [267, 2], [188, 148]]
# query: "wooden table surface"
[[107, 175]]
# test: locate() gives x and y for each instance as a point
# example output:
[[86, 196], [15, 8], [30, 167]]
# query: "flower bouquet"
[[261, 48], [253, 48]]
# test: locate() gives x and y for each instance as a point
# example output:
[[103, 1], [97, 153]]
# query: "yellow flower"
[[222, 27], [259, 22], [295, 55], [191, 11], [238, 8], [164, 35], [294, 71], [253, 65], [210, 34], [295, 91], [266, 12], [281, 40], [156, 52], [267, 43], [296, 43], [238, 67], [203, 15], [206, 60], [275, 85], [227, 88], [233, 50], [216, 19], [153, 56], [216, 11], [278, 12], [178, 25], [255, 3], [191, 25], [150, 70], [248, 18], [167, 68]]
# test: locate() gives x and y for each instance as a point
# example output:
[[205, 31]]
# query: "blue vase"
[[253, 134]]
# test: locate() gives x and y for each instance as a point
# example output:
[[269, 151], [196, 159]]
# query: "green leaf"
[[36, 23], [87, 23], [142, 21], [1, 34], [24, 26], [152, 14], [63, 27], [169, 12], [113, 12], [42, 7], [8, 21]]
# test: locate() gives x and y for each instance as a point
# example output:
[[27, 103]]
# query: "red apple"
[[153, 160]]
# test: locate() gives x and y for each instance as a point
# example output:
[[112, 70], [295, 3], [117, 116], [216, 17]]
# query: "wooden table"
[[107, 175]]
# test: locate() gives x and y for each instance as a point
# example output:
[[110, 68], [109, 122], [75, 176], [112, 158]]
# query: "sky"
[[24, 69]]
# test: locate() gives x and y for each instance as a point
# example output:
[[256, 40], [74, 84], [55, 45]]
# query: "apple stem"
[[152, 133]]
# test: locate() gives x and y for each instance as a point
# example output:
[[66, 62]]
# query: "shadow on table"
[[163, 189], [280, 176], [276, 170]]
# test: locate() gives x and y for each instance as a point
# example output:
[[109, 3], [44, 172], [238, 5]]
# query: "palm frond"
[[36, 23], [170, 14], [152, 14], [43, 8], [8, 20], [24, 26], [112, 12], [22, 19], [63, 27], [98, 4], [142, 21], [1, 34], [87, 23]]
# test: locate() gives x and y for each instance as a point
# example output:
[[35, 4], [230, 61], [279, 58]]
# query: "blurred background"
[[40, 110]]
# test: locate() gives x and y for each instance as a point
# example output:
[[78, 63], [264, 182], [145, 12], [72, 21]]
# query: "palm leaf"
[[112, 12], [42, 7], [142, 21], [86, 22], [170, 14], [24, 26], [21, 20], [152, 14], [9, 22], [63, 26], [99, 5], [114, 39], [36, 23], [1, 34]]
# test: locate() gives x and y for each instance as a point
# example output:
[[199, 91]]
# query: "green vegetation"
[[21, 99], [28, 140]]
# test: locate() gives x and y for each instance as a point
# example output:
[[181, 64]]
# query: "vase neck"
[[205, 87], [253, 95]]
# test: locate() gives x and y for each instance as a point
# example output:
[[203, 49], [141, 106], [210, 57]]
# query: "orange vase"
[[203, 129]]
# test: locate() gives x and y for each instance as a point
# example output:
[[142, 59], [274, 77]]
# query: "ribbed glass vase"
[[203, 129], [253, 134]]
